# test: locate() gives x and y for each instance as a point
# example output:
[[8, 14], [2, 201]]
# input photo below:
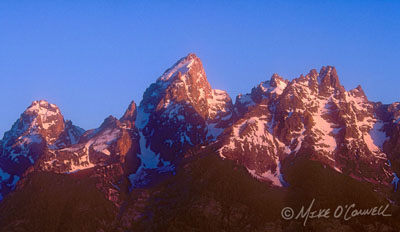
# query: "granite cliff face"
[[312, 116], [40, 128], [178, 112], [181, 118], [41, 140]]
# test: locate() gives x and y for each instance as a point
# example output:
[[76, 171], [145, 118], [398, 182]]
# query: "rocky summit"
[[188, 155]]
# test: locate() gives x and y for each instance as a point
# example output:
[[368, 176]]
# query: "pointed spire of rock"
[[358, 92], [328, 76], [328, 80], [181, 67], [359, 88], [185, 82], [130, 114], [312, 74], [110, 120]]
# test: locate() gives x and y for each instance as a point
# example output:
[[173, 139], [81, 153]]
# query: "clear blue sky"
[[93, 58]]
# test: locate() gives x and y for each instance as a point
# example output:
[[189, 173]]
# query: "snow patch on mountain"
[[104, 140], [217, 103], [299, 141], [149, 161], [359, 102], [4, 176], [213, 131], [22, 146], [323, 128], [8, 180], [100, 143], [377, 134], [28, 139], [276, 177], [337, 169], [83, 163], [253, 133], [41, 108], [181, 66], [267, 86]]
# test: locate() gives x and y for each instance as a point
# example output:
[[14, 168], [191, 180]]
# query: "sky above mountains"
[[93, 58]]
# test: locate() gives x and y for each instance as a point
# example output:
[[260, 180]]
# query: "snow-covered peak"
[[276, 85], [44, 116], [182, 66], [42, 107], [185, 83], [41, 117], [43, 120]]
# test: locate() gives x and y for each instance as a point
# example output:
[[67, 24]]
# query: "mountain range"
[[189, 158]]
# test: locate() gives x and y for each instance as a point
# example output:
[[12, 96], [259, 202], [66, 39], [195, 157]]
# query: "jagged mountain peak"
[[40, 128], [276, 78], [38, 106], [181, 67], [328, 72], [42, 122], [40, 118], [188, 77], [267, 131], [42, 108], [359, 92], [311, 114], [312, 74], [185, 83], [110, 122], [328, 80], [275, 85], [130, 113], [177, 112], [70, 123], [129, 117]]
